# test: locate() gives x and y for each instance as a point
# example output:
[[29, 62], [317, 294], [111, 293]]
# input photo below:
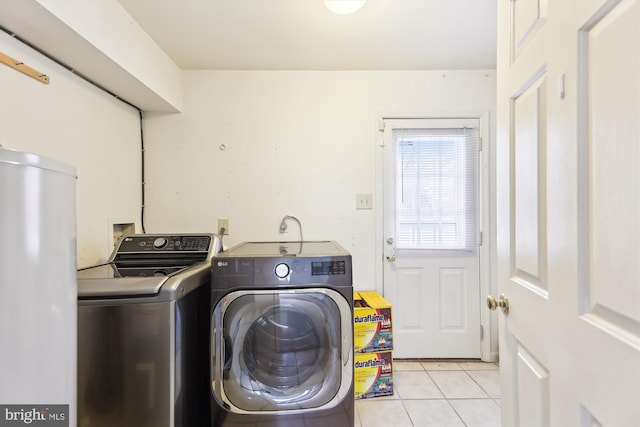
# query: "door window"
[[435, 185]]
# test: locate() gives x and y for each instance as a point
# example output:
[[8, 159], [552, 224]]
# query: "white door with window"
[[568, 206], [431, 267]]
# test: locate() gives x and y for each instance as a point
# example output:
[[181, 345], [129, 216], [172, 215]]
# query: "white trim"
[[489, 345]]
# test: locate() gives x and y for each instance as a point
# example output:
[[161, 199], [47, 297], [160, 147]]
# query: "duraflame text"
[[371, 363], [369, 318]]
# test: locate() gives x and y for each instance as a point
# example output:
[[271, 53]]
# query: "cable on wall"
[[102, 88], [142, 173]]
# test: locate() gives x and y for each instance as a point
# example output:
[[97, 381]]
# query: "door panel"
[[613, 155], [568, 205], [454, 305], [533, 390], [439, 314], [528, 175], [409, 296], [528, 18]]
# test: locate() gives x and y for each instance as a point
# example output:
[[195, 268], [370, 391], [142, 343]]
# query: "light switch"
[[364, 201]]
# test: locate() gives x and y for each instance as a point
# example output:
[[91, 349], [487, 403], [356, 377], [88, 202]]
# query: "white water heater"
[[38, 287]]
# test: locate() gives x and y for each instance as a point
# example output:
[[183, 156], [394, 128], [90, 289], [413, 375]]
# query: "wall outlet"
[[223, 223], [124, 229], [364, 201]]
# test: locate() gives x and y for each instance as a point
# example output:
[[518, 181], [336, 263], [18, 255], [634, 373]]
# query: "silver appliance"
[[143, 333], [37, 283], [282, 335]]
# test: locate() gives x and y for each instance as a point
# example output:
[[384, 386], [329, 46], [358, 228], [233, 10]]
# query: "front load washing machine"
[[282, 335]]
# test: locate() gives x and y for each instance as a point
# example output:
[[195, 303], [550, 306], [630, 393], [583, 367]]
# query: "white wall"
[[73, 121], [296, 142], [300, 143]]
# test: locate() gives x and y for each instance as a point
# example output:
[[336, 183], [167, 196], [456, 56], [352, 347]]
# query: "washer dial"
[[282, 270], [160, 242]]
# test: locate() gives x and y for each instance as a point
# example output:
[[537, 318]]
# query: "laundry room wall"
[[73, 121], [253, 146]]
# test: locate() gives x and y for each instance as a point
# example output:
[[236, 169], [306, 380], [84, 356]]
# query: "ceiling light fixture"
[[344, 7]]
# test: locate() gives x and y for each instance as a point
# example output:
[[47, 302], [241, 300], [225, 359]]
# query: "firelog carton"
[[373, 375], [371, 322]]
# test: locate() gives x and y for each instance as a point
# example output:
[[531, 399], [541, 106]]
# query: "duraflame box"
[[373, 375], [371, 322]]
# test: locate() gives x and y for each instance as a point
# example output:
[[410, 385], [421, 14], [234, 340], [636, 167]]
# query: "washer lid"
[[280, 249], [106, 281]]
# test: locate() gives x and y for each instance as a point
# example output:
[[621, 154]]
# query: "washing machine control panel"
[[231, 272], [145, 243], [324, 268]]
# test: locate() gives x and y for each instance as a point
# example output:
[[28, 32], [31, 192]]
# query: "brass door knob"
[[502, 302]]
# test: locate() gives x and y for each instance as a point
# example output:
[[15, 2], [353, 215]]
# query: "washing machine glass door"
[[282, 350]]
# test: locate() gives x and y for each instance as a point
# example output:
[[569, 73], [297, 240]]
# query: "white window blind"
[[435, 174]]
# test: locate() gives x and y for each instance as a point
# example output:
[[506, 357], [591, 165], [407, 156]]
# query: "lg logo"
[[223, 263]]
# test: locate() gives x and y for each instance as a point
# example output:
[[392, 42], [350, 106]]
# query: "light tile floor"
[[436, 393]]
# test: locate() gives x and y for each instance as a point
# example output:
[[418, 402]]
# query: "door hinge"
[[480, 144], [481, 332], [480, 238]]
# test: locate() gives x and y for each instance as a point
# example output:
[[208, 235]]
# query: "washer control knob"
[[282, 270], [160, 242]]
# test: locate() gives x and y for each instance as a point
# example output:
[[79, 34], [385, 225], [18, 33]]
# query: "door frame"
[[486, 216]]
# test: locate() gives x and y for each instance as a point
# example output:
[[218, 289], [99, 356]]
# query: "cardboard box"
[[373, 375], [372, 331]]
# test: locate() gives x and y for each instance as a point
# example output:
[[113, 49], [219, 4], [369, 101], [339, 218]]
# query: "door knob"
[[391, 258], [502, 302]]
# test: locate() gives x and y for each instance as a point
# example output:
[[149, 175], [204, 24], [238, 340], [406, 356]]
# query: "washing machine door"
[[282, 350]]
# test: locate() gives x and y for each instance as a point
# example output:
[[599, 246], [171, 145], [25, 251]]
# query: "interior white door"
[[568, 205], [435, 295]]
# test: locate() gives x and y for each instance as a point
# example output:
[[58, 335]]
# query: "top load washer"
[[282, 335], [143, 333]]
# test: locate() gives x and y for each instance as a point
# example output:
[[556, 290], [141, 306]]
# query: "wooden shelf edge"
[[23, 68]]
